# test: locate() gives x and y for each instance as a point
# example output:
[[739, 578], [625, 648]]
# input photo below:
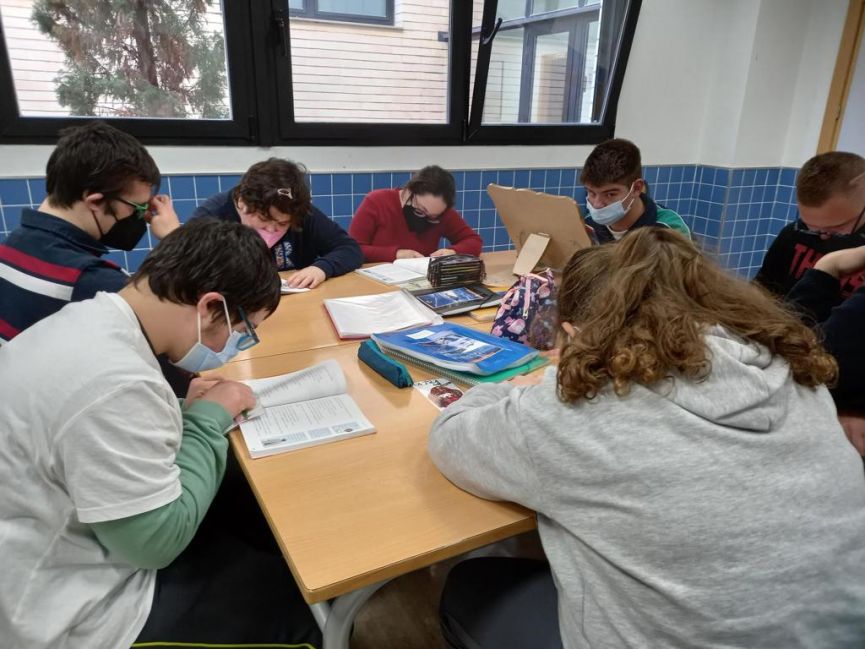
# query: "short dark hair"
[[96, 157], [211, 255], [614, 161], [260, 189], [435, 181], [826, 175]]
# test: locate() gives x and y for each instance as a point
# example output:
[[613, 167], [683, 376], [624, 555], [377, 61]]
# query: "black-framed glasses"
[[250, 338], [804, 229], [141, 209], [420, 213]]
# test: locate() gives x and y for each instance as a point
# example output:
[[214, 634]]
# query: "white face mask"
[[200, 357], [612, 213]]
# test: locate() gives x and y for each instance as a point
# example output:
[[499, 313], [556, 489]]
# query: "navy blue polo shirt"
[[45, 263]]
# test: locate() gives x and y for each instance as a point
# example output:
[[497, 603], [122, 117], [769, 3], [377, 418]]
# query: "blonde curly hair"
[[642, 305]]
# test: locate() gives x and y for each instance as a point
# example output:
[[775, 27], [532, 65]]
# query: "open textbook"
[[302, 409], [400, 271]]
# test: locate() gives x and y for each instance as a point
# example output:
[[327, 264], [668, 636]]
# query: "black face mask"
[[417, 223], [125, 233]]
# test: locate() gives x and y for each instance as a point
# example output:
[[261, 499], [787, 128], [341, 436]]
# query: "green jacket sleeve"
[[154, 539], [673, 221]]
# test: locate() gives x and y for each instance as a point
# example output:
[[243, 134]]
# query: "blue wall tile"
[[206, 186], [180, 187], [342, 184]]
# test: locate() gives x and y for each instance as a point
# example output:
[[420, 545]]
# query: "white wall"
[[723, 82], [852, 136]]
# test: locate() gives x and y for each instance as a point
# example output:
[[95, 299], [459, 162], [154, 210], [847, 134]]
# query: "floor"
[[404, 613]]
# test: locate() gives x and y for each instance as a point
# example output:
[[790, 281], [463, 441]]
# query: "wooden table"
[[301, 322], [351, 515]]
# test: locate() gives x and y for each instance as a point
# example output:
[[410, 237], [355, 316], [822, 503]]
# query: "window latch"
[[281, 20], [487, 38]]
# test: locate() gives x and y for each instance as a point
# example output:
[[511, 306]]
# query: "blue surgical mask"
[[612, 213], [200, 357]]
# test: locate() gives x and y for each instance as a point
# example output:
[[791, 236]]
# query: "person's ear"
[[640, 186], [94, 201], [569, 329], [208, 306]]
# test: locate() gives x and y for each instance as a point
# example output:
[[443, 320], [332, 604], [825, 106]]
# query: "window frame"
[[258, 53], [311, 11], [239, 129]]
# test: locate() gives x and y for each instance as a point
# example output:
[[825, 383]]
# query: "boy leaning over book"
[[617, 197], [107, 477]]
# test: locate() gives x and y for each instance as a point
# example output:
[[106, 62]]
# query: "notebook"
[[400, 271], [302, 409], [360, 317], [454, 347], [464, 378]]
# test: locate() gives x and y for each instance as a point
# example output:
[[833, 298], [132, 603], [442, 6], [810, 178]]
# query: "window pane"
[[510, 9], [354, 7], [502, 104], [295, 4], [547, 70], [543, 6], [346, 72], [165, 60], [549, 78]]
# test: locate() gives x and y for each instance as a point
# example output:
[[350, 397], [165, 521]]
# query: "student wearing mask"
[[107, 475], [100, 184], [410, 221], [616, 194], [830, 190], [692, 483], [273, 199]]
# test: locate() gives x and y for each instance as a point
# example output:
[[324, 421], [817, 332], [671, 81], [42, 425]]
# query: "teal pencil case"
[[392, 370]]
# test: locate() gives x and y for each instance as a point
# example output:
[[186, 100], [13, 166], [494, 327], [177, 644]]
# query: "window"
[[272, 72], [360, 11]]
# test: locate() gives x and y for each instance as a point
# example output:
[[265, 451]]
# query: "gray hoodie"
[[723, 513]]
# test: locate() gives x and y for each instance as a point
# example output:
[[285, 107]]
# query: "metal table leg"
[[337, 618]]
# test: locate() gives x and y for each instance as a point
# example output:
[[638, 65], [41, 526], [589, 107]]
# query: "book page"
[[390, 274], [321, 380], [419, 265], [308, 423]]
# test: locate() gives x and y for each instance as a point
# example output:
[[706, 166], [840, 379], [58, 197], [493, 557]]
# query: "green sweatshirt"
[[155, 538]]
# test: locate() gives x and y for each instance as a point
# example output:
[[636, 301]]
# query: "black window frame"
[[258, 46], [310, 10]]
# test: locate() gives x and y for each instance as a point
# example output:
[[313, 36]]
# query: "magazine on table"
[[455, 347], [301, 409]]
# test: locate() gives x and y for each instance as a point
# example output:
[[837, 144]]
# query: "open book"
[[454, 347], [302, 409], [400, 271]]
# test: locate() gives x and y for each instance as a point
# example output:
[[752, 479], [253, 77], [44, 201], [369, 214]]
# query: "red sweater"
[[380, 228]]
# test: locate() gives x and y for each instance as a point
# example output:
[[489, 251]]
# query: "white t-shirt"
[[89, 429]]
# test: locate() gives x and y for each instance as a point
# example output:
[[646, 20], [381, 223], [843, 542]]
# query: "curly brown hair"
[[259, 189], [642, 305]]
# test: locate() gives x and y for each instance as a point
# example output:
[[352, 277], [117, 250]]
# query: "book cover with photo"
[[455, 347], [440, 392]]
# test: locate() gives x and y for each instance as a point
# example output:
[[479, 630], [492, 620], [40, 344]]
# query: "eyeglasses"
[[141, 209], [421, 213], [804, 229], [250, 338]]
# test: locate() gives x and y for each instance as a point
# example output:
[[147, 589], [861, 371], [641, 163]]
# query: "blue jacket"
[[46, 263], [320, 242]]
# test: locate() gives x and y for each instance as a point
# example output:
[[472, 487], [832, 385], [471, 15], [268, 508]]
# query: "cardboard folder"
[[555, 222]]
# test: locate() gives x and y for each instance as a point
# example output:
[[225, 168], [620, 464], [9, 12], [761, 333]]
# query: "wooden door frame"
[[842, 77]]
